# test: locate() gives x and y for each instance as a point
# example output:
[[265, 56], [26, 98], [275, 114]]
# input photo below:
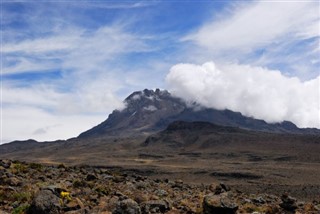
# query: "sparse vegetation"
[[21, 209], [116, 191]]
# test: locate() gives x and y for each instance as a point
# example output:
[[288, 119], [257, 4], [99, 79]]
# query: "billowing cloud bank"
[[253, 91]]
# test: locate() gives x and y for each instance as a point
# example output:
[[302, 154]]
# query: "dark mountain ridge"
[[203, 135]]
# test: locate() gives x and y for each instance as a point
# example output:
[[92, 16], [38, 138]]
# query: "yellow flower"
[[65, 195]]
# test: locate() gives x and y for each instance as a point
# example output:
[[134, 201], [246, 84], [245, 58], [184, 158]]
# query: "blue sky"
[[67, 64]]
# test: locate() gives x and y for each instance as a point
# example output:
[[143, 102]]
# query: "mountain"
[[150, 111]]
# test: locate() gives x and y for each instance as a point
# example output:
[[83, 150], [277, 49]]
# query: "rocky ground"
[[35, 188]]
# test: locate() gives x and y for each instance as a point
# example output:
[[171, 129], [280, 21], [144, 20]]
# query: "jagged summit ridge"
[[143, 110]]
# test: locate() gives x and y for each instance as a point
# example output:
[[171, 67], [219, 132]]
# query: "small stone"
[[72, 205], [91, 177], [161, 193], [107, 177], [212, 187], [259, 200], [225, 187], [79, 203], [15, 204], [140, 198], [142, 185]]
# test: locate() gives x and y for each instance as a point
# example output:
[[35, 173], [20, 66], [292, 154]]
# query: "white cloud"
[[71, 49], [253, 91], [259, 24], [40, 95], [63, 42], [21, 123], [277, 34], [42, 112]]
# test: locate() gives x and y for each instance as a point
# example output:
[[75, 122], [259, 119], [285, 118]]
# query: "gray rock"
[[161, 193], [225, 187], [45, 202], [259, 200], [13, 181], [127, 206], [155, 206], [91, 177], [142, 185], [55, 189], [5, 164], [221, 188], [219, 204], [288, 203]]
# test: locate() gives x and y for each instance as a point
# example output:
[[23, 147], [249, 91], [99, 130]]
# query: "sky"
[[66, 65]]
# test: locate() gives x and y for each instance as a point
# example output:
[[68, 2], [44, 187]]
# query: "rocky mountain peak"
[[150, 101], [143, 111], [153, 110], [147, 94]]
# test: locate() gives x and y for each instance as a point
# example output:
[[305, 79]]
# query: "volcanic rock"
[[45, 202], [127, 206], [219, 204]]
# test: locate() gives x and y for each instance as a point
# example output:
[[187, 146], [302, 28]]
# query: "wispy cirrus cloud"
[[71, 49], [266, 33], [86, 60]]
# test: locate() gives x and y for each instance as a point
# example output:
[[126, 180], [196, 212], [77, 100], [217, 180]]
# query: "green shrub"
[[21, 196], [21, 209], [36, 166]]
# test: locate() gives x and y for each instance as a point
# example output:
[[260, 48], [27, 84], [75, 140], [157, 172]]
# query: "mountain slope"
[[150, 111]]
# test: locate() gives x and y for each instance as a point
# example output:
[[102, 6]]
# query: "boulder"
[[155, 206], [288, 203], [127, 206], [219, 204], [5, 164], [13, 181], [45, 202], [218, 189]]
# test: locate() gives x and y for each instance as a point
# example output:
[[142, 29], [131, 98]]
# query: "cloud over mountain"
[[253, 91]]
